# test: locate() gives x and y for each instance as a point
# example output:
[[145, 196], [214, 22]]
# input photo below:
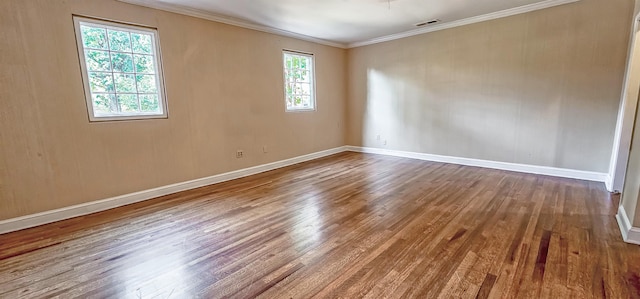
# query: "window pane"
[[122, 62], [128, 102], [304, 63], [288, 61], [144, 64], [146, 83], [125, 82], [306, 102], [97, 60], [101, 82], [296, 62], [303, 89], [93, 37], [305, 76], [294, 75], [142, 43], [297, 101], [289, 87], [296, 89], [290, 102], [104, 103], [149, 103], [119, 41]]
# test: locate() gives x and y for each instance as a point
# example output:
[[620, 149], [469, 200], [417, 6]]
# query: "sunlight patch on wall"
[[381, 112]]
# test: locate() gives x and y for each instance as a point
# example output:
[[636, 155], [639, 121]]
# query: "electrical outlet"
[[385, 142], [378, 138], [239, 154], [264, 149]]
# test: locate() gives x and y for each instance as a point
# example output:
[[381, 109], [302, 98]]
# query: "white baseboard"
[[544, 170], [28, 221], [630, 234], [608, 182]]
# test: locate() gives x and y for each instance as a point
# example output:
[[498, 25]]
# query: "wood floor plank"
[[346, 226]]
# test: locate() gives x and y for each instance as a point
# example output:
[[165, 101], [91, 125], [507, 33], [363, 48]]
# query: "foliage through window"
[[121, 70], [299, 81]]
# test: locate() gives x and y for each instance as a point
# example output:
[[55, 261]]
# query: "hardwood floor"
[[350, 225]]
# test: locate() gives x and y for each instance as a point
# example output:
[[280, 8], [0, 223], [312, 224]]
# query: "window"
[[121, 70], [298, 81]]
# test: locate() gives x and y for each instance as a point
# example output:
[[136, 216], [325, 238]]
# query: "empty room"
[[319, 149]]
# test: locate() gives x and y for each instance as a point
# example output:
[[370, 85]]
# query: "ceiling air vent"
[[428, 23]]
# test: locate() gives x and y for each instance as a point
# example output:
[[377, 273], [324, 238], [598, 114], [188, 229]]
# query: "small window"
[[121, 70], [299, 81]]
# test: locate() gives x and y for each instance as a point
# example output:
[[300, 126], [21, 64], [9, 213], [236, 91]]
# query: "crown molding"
[[244, 24], [197, 13], [463, 22]]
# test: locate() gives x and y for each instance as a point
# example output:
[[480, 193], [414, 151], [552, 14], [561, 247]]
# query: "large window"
[[121, 70], [299, 81]]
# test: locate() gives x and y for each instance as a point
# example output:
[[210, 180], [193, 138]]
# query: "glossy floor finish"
[[350, 225]]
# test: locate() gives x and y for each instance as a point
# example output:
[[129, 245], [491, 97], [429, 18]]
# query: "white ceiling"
[[349, 22]]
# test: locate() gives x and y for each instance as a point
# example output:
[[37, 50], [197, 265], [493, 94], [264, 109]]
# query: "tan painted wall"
[[634, 156], [225, 92], [629, 198], [632, 180], [540, 88]]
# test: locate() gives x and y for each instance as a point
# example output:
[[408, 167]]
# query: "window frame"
[[159, 72], [312, 82]]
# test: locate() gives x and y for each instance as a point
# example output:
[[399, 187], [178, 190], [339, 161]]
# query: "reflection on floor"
[[350, 225]]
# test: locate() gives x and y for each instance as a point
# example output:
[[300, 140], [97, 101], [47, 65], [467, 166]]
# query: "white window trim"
[[85, 73], [313, 80]]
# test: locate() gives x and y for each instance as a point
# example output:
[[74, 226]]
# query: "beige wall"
[[633, 156], [629, 199], [632, 180], [540, 88], [224, 88]]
